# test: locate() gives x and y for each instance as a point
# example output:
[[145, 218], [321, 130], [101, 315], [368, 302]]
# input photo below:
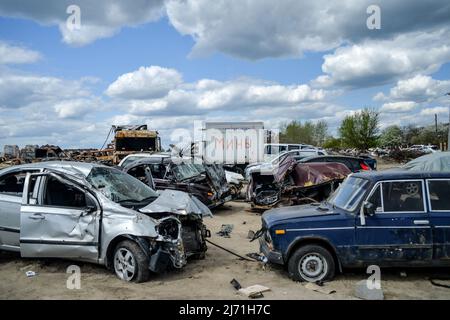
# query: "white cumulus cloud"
[[10, 54], [401, 106], [145, 83]]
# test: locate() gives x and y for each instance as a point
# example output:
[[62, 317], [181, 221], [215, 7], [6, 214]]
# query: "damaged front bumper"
[[167, 250], [177, 241], [272, 256], [168, 255]]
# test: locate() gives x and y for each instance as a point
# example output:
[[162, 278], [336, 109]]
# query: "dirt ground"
[[203, 279]]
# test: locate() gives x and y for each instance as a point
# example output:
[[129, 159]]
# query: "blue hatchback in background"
[[390, 218]]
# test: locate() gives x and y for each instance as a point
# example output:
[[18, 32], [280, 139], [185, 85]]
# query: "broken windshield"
[[185, 171], [119, 186], [349, 193]]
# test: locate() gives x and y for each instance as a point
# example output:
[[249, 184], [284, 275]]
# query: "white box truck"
[[235, 144]]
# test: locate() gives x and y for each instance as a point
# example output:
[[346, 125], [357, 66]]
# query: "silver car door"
[[11, 189], [58, 219]]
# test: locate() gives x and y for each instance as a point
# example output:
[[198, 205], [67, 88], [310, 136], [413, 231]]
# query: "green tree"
[[320, 133], [360, 130], [391, 137], [307, 132], [333, 143]]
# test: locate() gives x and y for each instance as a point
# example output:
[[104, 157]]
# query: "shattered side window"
[[439, 191], [185, 171]]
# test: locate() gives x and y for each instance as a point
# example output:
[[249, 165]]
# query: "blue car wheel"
[[311, 263]]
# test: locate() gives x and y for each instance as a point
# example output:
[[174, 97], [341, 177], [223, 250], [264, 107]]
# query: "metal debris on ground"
[[255, 291], [229, 251], [27, 267], [235, 284], [319, 288], [30, 273], [257, 257], [225, 230]]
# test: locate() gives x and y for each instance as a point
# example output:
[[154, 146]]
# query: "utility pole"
[[448, 139], [435, 123]]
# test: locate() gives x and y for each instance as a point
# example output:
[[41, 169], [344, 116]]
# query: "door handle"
[[421, 222], [37, 216]]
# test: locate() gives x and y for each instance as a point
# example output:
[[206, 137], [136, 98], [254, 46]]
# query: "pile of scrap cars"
[[143, 212]]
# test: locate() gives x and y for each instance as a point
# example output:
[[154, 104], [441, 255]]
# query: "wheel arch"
[[143, 244]]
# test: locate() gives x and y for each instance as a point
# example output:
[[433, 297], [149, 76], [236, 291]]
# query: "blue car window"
[[403, 196], [438, 195]]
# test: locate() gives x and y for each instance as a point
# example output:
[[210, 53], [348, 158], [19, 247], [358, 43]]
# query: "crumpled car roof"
[[439, 161], [315, 173]]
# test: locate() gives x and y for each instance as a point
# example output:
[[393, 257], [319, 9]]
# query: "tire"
[[130, 263], [304, 261]]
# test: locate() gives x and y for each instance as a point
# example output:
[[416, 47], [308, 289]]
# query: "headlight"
[[169, 228]]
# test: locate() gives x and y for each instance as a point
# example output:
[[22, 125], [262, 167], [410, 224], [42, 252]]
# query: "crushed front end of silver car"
[[177, 217], [188, 212]]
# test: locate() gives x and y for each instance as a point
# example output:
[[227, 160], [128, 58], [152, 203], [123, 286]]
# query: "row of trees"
[[394, 136], [308, 132], [361, 130]]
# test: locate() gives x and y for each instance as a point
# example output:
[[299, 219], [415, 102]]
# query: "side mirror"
[[369, 208]]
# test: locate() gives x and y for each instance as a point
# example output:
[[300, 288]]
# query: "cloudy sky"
[[169, 63]]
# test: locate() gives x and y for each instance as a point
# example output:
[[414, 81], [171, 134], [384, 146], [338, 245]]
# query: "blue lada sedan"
[[390, 218]]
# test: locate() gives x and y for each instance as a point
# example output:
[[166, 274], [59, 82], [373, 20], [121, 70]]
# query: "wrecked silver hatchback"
[[98, 214]]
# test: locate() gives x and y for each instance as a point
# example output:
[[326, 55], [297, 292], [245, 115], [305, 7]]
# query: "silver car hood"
[[177, 202]]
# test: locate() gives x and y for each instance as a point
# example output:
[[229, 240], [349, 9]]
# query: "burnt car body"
[[355, 164], [389, 218], [293, 183], [206, 182], [99, 214]]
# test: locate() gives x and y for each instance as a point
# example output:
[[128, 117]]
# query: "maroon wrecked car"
[[292, 183]]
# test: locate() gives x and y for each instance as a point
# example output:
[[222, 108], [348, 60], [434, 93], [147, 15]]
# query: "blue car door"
[[400, 229], [439, 203]]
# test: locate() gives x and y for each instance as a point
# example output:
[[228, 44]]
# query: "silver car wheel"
[[124, 264], [313, 267]]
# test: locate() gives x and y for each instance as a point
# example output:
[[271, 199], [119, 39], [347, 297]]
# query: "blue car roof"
[[397, 174]]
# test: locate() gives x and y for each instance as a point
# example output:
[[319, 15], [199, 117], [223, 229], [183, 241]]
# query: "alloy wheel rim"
[[124, 264]]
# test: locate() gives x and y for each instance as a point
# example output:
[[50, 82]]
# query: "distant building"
[[28, 152], [11, 151]]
